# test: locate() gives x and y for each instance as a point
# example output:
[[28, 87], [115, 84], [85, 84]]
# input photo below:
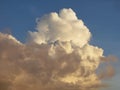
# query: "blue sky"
[[101, 17]]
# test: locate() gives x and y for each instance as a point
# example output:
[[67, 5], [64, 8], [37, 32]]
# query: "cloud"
[[64, 26], [58, 56], [107, 73]]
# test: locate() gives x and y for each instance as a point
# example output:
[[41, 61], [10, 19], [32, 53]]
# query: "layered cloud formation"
[[58, 56]]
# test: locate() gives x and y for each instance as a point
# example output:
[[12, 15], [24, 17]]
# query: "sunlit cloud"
[[57, 56]]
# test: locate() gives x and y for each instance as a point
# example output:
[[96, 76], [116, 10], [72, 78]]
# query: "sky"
[[102, 18]]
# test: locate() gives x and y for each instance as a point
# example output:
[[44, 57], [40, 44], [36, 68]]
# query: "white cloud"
[[62, 27]]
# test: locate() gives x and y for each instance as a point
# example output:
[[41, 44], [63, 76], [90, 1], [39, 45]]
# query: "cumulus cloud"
[[64, 27], [58, 56]]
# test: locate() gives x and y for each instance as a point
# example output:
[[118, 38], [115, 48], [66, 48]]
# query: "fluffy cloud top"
[[64, 27]]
